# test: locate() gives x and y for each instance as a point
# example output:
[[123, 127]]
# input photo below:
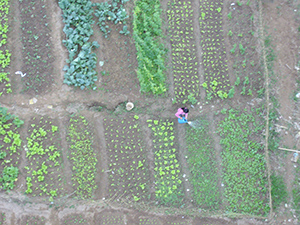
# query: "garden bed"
[[37, 47]]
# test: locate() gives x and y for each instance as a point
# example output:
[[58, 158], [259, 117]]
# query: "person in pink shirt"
[[182, 113]]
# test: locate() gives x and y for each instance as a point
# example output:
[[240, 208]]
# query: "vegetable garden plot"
[[214, 53], [78, 20], [74, 219], [167, 170], [4, 52], [203, 166], [127, 164], [110, 218], [149, 221], [44, 159], [2, 218], [36, 53], [151, 52], [10, 149], [246, 66], [184, 60], [82, 156], [244, 168], [39, 220]]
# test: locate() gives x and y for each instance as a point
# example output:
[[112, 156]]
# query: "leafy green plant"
[[9, 177], [278, 191], [184, 60], [82, 156], [243, 163], [82, 62], [129, 175], [4, 53], [151, 52], [202, 164], [168, 183]]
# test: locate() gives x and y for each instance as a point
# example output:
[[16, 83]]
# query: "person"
[[182, 114]]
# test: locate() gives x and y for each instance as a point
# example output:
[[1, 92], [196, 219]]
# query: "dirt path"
[[279, 19]]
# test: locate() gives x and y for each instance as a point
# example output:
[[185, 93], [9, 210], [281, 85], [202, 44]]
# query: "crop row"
[[203, 166], [111, 11], [44, 159], [36, 53], [151, 52], [10, 143], [244, 168], [127, 164], [4, 53], [78, 19], [241, 35], [184, 60], [82, 156], [214, 54], [167, 170]]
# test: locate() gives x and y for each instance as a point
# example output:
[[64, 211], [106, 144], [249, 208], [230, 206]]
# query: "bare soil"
[[119, 84]]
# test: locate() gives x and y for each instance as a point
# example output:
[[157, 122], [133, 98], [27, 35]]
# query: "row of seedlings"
[[203, 166], [214, 58], [36, 53], [5, 84], [127, 164], [184, 60], [82, 156], [44, 159], [244, 167], [10, 149], [78, 19], [151, 52], [243, 53], [167, 169]]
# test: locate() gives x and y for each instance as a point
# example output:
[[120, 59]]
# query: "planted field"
[[36, 53], [127, 163], [44, 160], [108, 218], [167, 170], [5, 82], [82, 156], [151, 52], [203, 166], [10, 149], [74, 219], [78, 19], [2, 218], [184, 60], [241, 34], [244, 167], [214, 53], [32, 220]]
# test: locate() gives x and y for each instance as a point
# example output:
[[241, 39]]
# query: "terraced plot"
[[167, 170], [214, 53], [184, 59], [127, 165]]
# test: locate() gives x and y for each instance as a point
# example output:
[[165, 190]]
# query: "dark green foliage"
[[279, 192], [151, 52], [78, 19], [203, 167]]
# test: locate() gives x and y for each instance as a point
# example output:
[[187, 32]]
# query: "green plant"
[[278, 191], [242, 49], [243, 163], [9, 177], [229, 15], [151, 52], [202, 164]]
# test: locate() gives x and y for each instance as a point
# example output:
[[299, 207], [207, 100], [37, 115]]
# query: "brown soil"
[[119, 84]]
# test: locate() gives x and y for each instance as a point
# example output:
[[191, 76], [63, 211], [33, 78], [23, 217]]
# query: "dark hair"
[[186, 110]]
